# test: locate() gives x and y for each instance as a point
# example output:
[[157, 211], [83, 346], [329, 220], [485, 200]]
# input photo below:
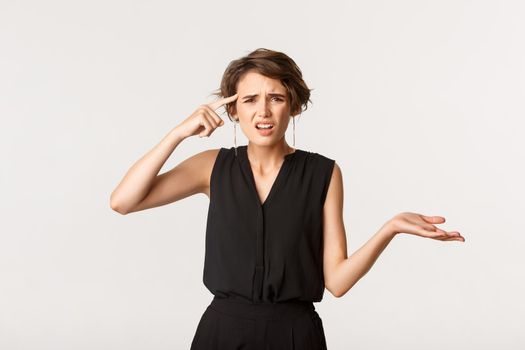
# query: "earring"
[[293, 132], [235, 135]]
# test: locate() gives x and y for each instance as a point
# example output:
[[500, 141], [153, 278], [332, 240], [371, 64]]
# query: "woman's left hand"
[[422, 225]]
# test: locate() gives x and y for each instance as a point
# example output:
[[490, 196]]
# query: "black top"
[[271, 251]]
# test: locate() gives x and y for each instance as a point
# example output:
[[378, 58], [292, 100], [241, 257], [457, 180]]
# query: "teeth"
[[264, 126]]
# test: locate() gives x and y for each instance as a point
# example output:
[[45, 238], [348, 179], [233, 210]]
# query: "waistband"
[[269, 311]]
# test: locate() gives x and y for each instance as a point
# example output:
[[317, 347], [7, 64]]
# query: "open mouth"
[[264, 126]]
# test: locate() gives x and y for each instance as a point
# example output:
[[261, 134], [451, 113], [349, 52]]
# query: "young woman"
[[275, 236]]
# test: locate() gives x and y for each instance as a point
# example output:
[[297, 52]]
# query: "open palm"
[[422, 225]]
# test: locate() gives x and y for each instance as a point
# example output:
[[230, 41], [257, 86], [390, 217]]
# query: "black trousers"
[[235, 324]]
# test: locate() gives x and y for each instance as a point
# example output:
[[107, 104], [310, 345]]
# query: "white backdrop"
[[419, 102]]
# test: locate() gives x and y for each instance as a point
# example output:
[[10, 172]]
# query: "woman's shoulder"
[[309, 155], [321, 157]]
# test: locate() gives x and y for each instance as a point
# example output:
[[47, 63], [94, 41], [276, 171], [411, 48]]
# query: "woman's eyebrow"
[[272, 94]]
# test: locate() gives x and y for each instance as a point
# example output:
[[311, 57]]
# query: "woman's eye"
[[251, 100]]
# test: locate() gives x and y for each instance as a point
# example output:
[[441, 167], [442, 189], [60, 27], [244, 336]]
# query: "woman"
[[275, 236]]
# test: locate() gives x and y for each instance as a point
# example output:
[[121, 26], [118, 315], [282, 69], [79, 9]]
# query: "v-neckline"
[[247, 165]]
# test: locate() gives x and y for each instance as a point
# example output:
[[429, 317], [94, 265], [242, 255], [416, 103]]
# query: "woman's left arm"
[[341, 272]]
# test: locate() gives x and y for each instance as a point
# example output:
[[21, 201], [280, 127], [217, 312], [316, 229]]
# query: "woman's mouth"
[[264, 129]]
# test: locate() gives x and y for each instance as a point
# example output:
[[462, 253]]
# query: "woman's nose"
[[262, 108]]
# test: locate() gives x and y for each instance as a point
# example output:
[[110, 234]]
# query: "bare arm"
[[142, 187], [343, 272]]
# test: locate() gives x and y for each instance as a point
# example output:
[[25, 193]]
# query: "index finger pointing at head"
[[216, 104]]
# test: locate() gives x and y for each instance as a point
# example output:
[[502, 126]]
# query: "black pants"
[[234, 324]]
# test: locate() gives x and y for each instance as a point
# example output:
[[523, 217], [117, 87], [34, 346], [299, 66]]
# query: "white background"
[[421, 103]]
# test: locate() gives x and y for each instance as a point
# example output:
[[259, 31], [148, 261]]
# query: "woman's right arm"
[[142, 187]]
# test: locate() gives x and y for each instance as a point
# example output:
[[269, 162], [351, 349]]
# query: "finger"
[[436, 233], [207, 126], [210, 116], [421, 223], [212, 122], [216, 104], [450, 236], [451, 233], [429, 227], [461, 239], [433, 219], [218, 120], [440, 236], [418, 230]]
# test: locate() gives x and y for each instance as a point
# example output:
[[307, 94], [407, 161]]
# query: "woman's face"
[[262, 100]]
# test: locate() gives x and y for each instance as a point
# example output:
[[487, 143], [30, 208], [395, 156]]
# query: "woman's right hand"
[[204, 120]]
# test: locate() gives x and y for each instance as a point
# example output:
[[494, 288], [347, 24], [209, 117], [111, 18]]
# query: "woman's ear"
[[231, 109], [295, 112]]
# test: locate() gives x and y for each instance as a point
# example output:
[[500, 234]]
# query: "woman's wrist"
[[388, 230], [177, 134]]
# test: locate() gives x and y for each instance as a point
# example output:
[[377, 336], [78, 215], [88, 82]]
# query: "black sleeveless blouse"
[[273, 251]]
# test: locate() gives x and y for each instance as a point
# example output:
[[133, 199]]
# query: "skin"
[[143, 188], [265, 100]]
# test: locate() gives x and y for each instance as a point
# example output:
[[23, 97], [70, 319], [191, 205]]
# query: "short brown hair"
[[272, 64]]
